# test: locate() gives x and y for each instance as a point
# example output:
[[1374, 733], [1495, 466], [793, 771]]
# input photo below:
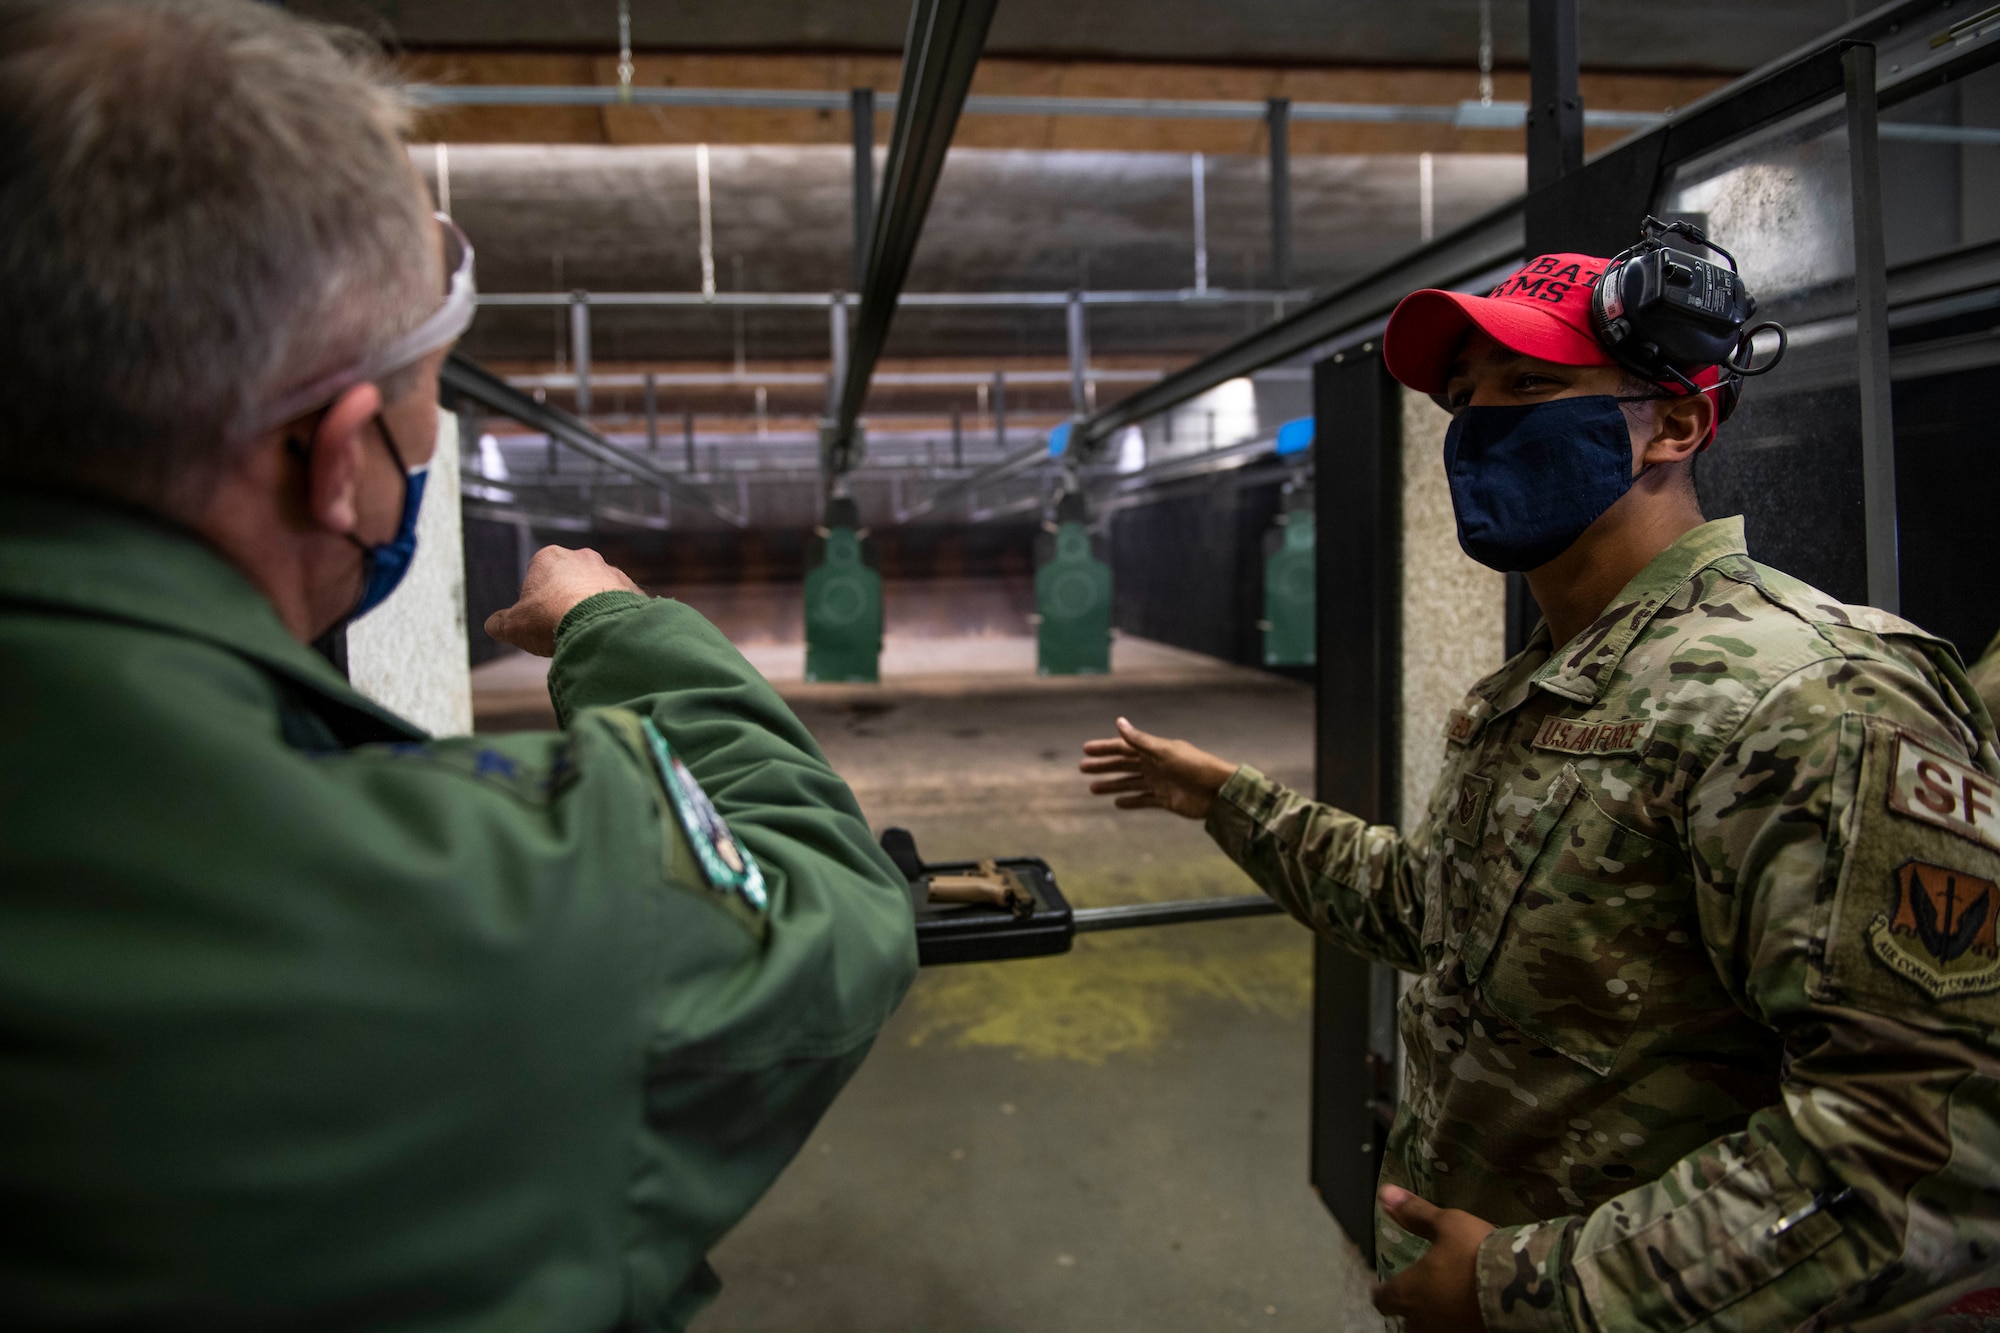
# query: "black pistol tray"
[[972, 933]]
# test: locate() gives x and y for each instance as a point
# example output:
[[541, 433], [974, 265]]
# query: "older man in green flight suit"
[[1701, 913], [311, 1020]]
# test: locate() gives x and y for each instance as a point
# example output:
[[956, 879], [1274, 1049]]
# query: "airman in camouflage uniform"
[[1702, 914], [1702, 910]]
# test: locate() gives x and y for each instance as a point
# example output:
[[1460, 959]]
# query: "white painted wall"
[[409, 654]]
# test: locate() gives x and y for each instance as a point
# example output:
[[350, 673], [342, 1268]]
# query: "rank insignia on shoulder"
[[725, 862], [1465, 821], [1463, 722], [1946, 792], [1623, 736], [1939, 934]]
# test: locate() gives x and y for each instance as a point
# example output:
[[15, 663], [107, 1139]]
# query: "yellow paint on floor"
[[1113, 994]]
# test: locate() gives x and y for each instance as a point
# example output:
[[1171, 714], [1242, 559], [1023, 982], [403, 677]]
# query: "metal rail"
[[938, 59], [1130, 916], [930, 300], [468, 378], [1460, 115]]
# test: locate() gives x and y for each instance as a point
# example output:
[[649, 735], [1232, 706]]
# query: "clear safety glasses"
[[439, 330]]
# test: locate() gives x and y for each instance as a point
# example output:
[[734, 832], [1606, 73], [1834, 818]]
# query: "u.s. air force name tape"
[[1622, 736]]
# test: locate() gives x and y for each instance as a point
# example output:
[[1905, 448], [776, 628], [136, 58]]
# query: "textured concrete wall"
[[1454, 610], [409, 654]]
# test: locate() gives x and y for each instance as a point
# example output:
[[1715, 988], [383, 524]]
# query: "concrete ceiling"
[[1712, 35], [625, 219]]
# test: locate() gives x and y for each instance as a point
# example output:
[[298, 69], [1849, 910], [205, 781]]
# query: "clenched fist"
[[558, 579], [1154, 773]]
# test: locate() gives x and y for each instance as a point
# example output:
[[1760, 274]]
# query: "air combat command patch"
[[1940, 931]]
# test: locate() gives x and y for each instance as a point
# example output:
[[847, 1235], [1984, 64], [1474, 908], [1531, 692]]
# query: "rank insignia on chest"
[[1939, 933], [725, 863], [1465, 821], [1622, 736]]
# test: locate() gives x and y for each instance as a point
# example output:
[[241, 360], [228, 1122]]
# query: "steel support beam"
[[938, 59], [652, 414], [1279, 119], [1079, 358], [929, 300], [1871, 302], [471, 380], [1555, 106], [861, 109], [579, 348]]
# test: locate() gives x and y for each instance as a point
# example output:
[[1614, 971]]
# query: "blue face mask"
[[383, 566], [1526, 481]]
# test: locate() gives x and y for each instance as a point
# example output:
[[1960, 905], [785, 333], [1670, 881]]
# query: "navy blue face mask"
[[383, 565], [1527, 480]]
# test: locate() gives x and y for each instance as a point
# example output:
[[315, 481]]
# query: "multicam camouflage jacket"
[[1703, 916]]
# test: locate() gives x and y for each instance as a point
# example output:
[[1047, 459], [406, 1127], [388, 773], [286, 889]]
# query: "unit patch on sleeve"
[[1625, 736], [1939, 932], [1942, 791], [725, 862]]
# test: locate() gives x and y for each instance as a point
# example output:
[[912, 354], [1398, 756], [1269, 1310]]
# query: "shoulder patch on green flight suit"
[[691, 829], [725, 862], [1916, 907]]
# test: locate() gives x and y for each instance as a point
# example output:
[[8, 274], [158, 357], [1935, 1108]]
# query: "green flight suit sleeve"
[[1356, 883], [1864, 936]]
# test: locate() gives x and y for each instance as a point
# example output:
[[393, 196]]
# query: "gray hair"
[[203, 203]]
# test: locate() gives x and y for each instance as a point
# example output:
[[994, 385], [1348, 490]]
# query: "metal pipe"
[[1079, 357], [836, 330], [473, 381], [1279, 120], [749, 379], [1871, 301], [939, 55], [1555, 106], [1200, 173], [861, 109], [707, 222], [1000, 411], [1502, 115], [652, 414], [935, 300], [1130, 916], [579, 348]]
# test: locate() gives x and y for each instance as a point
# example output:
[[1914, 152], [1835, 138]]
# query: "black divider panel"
[[1358, 496], [1947, 475], [1791, 465], [492, 580], [1187, 569]]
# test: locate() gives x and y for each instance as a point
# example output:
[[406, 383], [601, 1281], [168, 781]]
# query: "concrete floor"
[[1114, 1139]]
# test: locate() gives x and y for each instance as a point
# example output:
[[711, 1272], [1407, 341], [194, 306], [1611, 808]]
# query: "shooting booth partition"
[[1858, 184]]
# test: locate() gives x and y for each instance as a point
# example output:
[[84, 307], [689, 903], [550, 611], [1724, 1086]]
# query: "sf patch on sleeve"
[[1918, 898]]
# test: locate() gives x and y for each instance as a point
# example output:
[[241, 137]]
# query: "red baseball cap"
[[1542, 311]]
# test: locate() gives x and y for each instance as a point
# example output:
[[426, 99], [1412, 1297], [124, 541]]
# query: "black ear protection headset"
[[1663, 313]]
